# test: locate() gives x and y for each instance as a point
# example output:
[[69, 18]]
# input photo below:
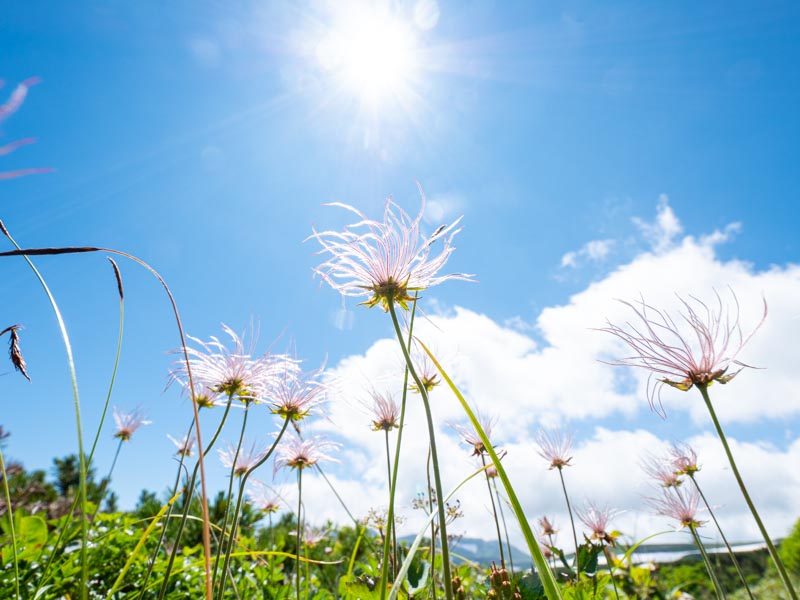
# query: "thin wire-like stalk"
[[711, 573], [390, 530], [188, 500], [610, 565], [77, 407], [770, 546], [384, 582], [10, 513], [722, 535], [553, 555], [494, 514], [166, 518], [448, 584], [429, 489], [78, 250], [107, 480], [572, 522], [505, 527], [299, 527], [237, 511], [228, 499]]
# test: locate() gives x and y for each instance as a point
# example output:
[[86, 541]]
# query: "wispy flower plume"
[[681, 505], [385, 412], [298, 453], [697, 349], [128, 422], [555, 446], [183, 445], [385, 260], [596, 519]]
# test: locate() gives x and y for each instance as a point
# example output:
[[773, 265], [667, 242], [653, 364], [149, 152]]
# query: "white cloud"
[[593, 251], [664, 230], [557, 378]]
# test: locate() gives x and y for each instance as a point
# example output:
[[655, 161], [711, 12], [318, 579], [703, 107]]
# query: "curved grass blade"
[[545, 574]]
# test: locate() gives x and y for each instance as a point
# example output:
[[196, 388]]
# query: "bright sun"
[[372, 55]]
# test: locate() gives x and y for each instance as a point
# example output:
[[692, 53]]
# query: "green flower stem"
[[429, 489], [494, 514], [166, 518], [551, 588], [610, 563], [10, 513], [188, 500], [711, 573], [237, 511], [107, 480], [84, 524], [448, 583], [393, 485], [572, 522], [390, 530], [722, 535], [505, 527], [770, 546], [228, 499], [299, 528]]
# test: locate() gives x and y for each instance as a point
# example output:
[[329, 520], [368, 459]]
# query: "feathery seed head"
[[696, 350], [555, 446], [684, 459], [385, 260], [681, 505], [128, 423], [596, 519], [183, 445], [470, 436], [385, 411], [300, 453]]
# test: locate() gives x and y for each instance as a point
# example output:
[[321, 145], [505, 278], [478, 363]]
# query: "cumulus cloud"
[[593, 251], [557, 378]]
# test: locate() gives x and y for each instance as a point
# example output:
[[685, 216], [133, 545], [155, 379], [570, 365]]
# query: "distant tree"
[[111, 503], [790, 550], [148, 505]]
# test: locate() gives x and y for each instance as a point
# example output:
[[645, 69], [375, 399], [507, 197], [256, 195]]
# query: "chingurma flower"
[[385, 260], [294, 394], [470, 436], [596, 519], [547, 526], [184, 445], [426, 371], [385, 412], [247, 459], [6, 110], [264, 498], [684, 459], [680, 505], [298, 453], [555, 446], [128, 423], [313, 535], [698, 353], [221, 370], [663, 471]]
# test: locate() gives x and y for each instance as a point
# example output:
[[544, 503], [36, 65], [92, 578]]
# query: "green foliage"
[[790, 551]]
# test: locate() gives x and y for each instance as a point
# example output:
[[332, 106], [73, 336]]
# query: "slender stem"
[[724, 539], [430, 491], [10, 513], [228, 499], [494, 514], [166, 518], [711, 573], [572, 522], [448, 584], [237, 511], [393, 486], [770, 546], [188, 500], [390, 530], [299, 527], [553, 555], [505, 527], [102, 491], [610, 563]]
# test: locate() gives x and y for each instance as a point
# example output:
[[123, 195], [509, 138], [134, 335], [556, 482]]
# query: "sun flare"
[[372, 55]]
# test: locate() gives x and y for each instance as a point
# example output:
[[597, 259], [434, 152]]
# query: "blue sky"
[[204, 138]]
